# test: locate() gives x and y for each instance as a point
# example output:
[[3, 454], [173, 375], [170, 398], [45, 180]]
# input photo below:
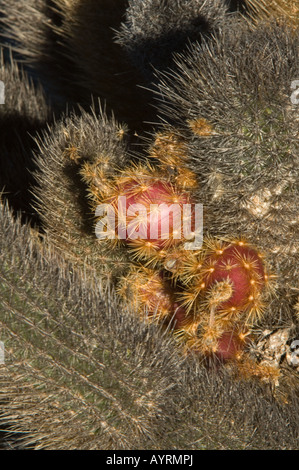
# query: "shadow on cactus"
[[24, 113], [61, 192], [153, 31], [70, 47]]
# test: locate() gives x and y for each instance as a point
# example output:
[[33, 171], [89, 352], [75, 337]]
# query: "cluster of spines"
[[169, 150], [285, 10]]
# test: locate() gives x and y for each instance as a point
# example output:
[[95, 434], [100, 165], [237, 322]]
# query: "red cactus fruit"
[[225, 292], [151, 213], [219, 345], [230, 346], [230, 281]]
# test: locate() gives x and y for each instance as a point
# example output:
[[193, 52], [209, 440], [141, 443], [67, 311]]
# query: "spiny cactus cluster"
[[126, 323], [213, 296]]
